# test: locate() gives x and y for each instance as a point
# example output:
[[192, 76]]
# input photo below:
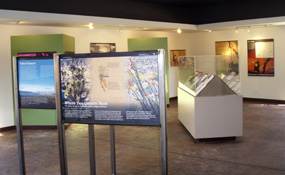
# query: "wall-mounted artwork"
[[230, 63], [260, 57], [102, 47], [174, 54], [226, 47]]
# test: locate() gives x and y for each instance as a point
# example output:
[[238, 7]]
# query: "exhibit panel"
[[120, 88], [36, 82], [208, 102], [32, 44], [141, 44], [111, 88]]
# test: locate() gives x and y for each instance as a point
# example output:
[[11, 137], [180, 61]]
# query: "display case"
[[195, 73], [209, 104]]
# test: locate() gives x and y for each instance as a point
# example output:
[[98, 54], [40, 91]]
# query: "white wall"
[[6, 99], [203, 43], [83, 38]]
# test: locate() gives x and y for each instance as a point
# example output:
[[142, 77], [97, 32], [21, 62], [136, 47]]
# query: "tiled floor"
[[260, 151]]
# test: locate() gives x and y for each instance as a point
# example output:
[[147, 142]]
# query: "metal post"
[[60, 125], [18, 119], [113, 151], [163, 129], [92, 149]]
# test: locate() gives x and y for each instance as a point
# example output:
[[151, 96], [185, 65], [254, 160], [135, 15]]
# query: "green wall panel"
[[35, 117], [68, 43], [59, 43], [140, 44]]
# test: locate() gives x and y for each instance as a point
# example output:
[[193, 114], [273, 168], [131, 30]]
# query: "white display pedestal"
[[211, 116]]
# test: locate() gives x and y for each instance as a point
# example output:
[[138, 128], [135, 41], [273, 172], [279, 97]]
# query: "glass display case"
[[196, 73], [209, 104]]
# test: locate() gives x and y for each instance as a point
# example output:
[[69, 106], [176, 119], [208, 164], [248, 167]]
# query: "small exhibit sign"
[[36, 81]]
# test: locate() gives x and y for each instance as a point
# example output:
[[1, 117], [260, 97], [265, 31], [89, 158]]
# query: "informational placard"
[[36, 82], [261, 57], [110, 88]]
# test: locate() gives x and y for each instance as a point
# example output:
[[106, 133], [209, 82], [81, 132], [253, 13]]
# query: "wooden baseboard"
[[9, 128]]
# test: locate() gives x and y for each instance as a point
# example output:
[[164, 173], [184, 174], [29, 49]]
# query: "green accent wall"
[[140, 44], [58, 43]]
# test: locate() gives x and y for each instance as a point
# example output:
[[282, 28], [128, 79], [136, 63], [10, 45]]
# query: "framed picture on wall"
[[174, 54], [226, 47], [260, 57], [102, 47]]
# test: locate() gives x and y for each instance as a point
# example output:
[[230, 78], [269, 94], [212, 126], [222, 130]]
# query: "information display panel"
[[36, 82], [110, 88]]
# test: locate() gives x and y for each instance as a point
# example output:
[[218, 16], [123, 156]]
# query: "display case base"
[[211, 117]]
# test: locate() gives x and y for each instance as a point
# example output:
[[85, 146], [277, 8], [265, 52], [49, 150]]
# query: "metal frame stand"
[[92, 149], [163, 123], [113, 150], [61, 134], [60, 125], [18, 119]]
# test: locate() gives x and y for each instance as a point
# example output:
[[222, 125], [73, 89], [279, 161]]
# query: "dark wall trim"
[[8, 128], [260, 100], [46, 127], [33, 127]]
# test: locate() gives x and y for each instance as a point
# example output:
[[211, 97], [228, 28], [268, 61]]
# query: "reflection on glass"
[[198, 71]]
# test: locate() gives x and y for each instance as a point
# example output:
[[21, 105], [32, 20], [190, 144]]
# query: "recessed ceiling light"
[[91, 26], [16, 22], [179, 30], [248, 29]]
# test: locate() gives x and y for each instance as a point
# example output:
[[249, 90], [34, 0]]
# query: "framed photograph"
[[260, 57], [226, 47], [174, 54], [102, 47]]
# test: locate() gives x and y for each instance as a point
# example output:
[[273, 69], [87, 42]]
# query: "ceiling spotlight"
[[91, 26], [209, 30], [179, 30], [248, 29], [236, 29], [16, 22], [120, 30]]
